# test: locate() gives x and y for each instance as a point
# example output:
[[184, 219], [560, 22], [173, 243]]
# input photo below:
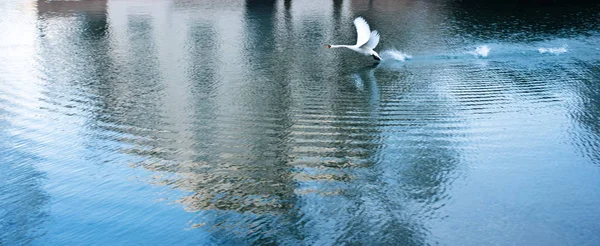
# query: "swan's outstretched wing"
[[373, 40], [362, 31]]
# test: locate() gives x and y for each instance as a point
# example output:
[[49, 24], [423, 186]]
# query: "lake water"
[[221, 122]]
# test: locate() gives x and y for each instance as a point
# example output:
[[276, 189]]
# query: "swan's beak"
[[328, 46]]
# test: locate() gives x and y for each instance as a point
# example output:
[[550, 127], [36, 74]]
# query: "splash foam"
[[394, 54], [481, 51], [554, 51]]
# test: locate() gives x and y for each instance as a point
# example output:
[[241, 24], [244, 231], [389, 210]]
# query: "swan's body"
[[365, 39]]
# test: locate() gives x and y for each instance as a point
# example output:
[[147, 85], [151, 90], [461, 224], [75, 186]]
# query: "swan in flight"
[[365, 39]]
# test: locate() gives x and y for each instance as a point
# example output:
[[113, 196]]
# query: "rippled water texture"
[[230, 123]]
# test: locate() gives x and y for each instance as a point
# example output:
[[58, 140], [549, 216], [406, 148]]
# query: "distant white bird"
[[365, 39]]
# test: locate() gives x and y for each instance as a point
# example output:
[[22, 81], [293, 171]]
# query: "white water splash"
[[358, 82], [394, 54], [481, 51], [554, 51]]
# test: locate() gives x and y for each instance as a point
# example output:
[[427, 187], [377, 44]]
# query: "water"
[[229, 123]]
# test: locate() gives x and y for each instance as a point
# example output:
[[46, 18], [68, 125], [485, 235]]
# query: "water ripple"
[[231, 111]]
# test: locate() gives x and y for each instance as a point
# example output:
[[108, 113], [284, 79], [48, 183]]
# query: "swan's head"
[[328, 46]]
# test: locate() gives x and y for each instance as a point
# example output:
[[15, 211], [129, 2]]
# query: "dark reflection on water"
[[524, 22], [584, 111], [22, 198], [237, 112]]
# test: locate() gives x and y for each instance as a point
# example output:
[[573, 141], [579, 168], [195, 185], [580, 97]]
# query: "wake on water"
[[396, 55], [554, 51], [482, 51]]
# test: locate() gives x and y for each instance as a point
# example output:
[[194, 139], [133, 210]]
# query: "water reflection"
[[269, 143], [23, 201], [266, 137], [522, 22], [584, 111], [75, 60], [250, 173]]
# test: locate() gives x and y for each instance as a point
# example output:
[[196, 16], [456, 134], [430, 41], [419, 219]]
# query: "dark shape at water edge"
[[527, 22], [94, 22], [521, 3]]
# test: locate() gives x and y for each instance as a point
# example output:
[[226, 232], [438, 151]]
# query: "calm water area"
[[228, 122]]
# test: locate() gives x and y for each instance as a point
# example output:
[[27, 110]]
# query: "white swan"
[[365, 39]]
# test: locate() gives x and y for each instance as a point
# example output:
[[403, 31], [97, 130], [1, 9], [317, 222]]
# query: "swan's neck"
[[340, 46]]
